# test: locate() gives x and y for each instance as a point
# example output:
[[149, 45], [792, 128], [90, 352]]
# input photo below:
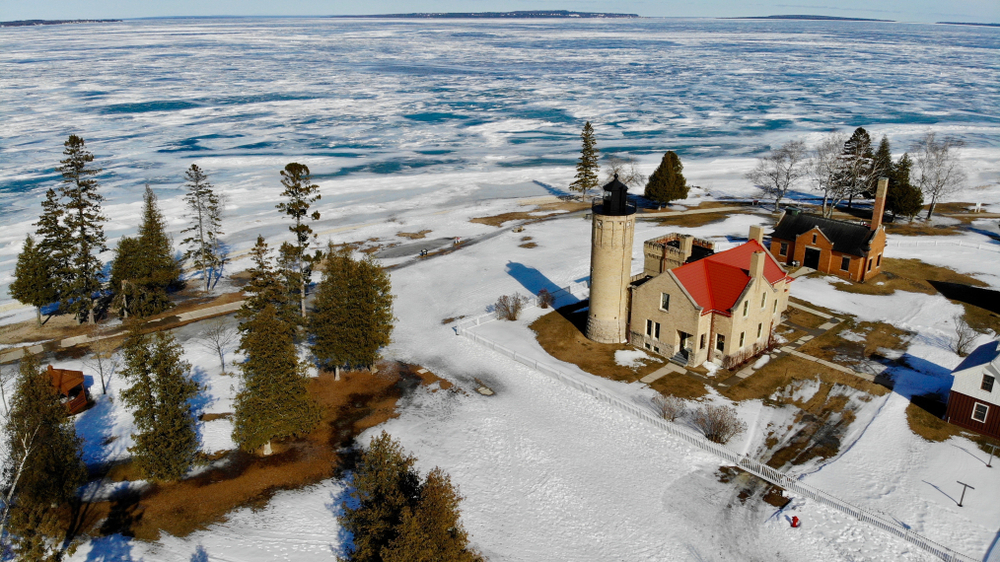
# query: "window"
[[649, 327], [720, 343], [743, 338], [746, 307], [656, 349], [814, 238], [664, 301], [845, 263], [763, 300], [647, 346], [869, 264], [878, 261], [783, 249], [702, 346], [760, 329], [987, 383], [775, 306], [979, 412], [656, 330]]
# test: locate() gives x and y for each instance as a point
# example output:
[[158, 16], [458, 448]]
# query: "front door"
[[812, 258], [685, 343]]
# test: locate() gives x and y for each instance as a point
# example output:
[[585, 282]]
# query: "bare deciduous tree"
[[777, 171], [625, 169], [545, 299], [718, 423], [965, 336], [6, 375], [218, 336], [939, 171], [823, 168], [669, 407], [14, 467], [104, 359], [508, 307]]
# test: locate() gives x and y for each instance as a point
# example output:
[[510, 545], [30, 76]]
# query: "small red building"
[[974, 400], [849, 250], [71, 389]]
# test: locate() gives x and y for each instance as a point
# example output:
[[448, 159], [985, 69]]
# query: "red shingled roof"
[[715, 282]]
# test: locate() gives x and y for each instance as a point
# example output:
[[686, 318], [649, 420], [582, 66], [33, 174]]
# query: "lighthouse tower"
[[610, 264]]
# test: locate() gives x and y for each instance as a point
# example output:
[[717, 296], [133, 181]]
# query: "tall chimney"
[[879, 208], [757, 261], [686, 244], [757, 233]]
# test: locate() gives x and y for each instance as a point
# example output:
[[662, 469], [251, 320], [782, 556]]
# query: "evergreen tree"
[[205, 210], [667, 183], [301, 194], [85, 235], [396, 517], [431, 531], [266, 286], [53, 242], [158, 398], [272, 402], [904, 198], [881, 166], [353, 317], [587, 167], [856, 167], [385, 483], [144, 268], [47, 468], [33, 281]]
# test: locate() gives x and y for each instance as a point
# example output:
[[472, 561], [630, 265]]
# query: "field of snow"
[[417, 125]]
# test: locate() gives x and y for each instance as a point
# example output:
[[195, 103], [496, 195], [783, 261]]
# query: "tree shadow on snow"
[[344, 540], [114, 548], [199, 554], [534, 281]]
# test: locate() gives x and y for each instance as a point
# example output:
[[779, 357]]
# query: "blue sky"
[[902, 10]]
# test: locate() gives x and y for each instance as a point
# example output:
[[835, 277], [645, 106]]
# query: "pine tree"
[[82, 221], [266, 286], [33, 281], [47, 468], [205, 210], [881, 166], [301, 194], [385, 483], [144, 268], [431, 531], [158, 397], [667, 183], [904, 198], [353, 317], [53, 242], [856, 167], [587, 167], [272, 402]]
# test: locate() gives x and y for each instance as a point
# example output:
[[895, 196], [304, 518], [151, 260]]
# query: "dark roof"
[[697, 252], [847, 238]]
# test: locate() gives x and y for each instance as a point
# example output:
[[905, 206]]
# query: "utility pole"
[[963, 492]]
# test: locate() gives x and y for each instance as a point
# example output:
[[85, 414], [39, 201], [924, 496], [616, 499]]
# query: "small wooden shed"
[[71, 389]]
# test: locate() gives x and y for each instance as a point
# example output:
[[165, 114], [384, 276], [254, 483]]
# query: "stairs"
[[680, 359]]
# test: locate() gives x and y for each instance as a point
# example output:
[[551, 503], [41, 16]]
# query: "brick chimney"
[[879, 208], [757, 261], [757, 233]]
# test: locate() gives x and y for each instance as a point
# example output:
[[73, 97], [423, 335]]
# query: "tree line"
[[844, 168]]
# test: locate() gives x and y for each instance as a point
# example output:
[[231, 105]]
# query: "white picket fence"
[[910, 243], [695, 439]]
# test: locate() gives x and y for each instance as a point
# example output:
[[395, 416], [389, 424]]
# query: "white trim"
[[986, 414]]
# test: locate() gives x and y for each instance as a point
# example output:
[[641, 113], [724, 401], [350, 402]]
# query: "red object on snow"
[[795, 522]]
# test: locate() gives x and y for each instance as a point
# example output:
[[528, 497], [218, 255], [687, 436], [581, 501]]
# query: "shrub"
[[669, 407], [719, 423], [509, 307], [965, 336], [545, 298]]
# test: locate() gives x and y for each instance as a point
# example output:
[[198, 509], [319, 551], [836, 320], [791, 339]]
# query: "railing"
[[689, 436]]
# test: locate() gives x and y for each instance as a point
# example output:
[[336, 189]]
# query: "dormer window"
[[987, 384], [814, 238]]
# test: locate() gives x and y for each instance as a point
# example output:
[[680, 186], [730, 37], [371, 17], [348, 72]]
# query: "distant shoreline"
[[31, 23], [968, 23], [808, 18], [524, 14]]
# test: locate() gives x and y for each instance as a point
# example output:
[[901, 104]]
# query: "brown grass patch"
[[555, 209], [801, 302], [681, 386], [926, 424], [527, 245], [413, 235], [920, 228], [359, 401], [779, 373], [908, 275], [560, 333], [694, 220], [803, 318], [831, 346]]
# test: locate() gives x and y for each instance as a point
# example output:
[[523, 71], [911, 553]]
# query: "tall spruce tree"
[[881, 166], [352, 318], [273, 402], [33, 281], [301, 194], [856, 167], [54, 242], [82, 220], [158, 396], [266, 286], [588, 166], [144, 269], [667, 183], [396, 517], [904, 198], [205, 213], [47, 468]]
